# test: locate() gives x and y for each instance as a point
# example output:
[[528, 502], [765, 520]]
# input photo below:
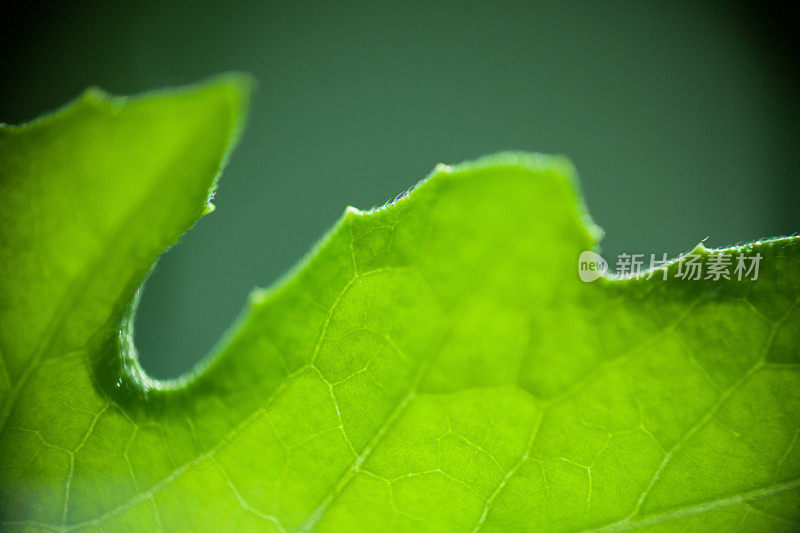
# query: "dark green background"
[[682, 119]]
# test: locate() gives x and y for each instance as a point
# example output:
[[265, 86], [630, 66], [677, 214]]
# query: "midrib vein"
[[695, 509]]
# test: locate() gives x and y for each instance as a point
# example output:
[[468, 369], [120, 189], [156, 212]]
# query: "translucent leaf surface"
[[433, 365]]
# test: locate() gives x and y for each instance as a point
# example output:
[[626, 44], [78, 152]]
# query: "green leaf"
[[433, 365]]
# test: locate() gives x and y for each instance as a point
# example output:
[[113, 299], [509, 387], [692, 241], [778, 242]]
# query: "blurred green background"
[[682, 118]]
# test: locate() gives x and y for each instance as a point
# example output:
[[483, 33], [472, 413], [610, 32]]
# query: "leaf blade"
[[437, 364]]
